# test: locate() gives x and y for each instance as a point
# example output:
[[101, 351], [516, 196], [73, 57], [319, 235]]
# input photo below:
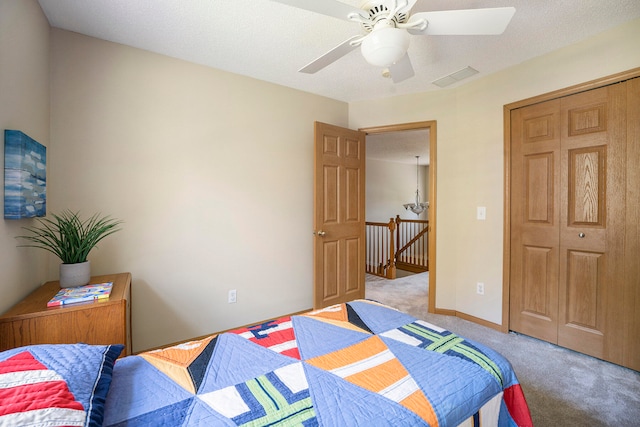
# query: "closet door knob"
[[581, 235]]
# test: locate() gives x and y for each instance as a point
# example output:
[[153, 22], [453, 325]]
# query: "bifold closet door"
[[568, 220]]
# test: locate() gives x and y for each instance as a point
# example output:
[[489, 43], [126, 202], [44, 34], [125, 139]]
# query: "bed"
[[359, 363]]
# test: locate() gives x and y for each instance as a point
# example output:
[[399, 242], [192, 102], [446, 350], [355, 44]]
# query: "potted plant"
[[71, 239]]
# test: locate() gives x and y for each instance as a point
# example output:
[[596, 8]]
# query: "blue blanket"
[[360, 363]]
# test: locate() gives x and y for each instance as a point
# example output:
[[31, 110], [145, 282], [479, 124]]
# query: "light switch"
[[482, 213]]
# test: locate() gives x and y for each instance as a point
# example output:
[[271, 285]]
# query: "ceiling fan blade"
[[489, 21], [332, 8], [331, 56], [402, 70]]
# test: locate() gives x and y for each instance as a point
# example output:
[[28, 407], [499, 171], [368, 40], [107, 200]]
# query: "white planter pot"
[[72, 275]]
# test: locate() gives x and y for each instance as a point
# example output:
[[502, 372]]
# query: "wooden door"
[[535, 230], [631, 301], [592, 171], [567, 220], [339, 215]]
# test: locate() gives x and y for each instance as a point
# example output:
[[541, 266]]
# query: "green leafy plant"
[[69, 237]]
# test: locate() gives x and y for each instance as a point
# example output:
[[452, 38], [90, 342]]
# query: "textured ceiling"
[[399, 147], [270, 41]]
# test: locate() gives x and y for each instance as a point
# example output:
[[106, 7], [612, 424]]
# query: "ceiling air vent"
[[455, 77]]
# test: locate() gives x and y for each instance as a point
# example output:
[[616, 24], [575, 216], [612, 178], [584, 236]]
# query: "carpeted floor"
[[562, 387]]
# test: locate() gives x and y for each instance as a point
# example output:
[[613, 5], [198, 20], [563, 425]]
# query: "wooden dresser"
[[97, 322]]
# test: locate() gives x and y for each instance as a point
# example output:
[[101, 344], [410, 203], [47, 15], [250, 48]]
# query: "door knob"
[[319, 233], [581, 235]]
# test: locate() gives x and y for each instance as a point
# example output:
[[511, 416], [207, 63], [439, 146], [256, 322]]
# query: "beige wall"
[[470, 156], [24, 105], [210, 171], [390, 185]]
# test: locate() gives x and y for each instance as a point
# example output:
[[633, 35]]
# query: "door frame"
[[432, 127], [571, 90]]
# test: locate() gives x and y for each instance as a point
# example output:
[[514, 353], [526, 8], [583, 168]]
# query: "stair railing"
[[411, 236], [380, 256], [413, 240]]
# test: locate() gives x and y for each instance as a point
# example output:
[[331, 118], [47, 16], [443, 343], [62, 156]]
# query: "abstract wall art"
[[25, 176]]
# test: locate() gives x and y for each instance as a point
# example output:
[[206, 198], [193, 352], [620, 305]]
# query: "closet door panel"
[[590, 285], [582, 321], [587, 184], [535, 220], [539, 187], [537, 300]]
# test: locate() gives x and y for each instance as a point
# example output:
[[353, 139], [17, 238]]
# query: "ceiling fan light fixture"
[[385, 46]]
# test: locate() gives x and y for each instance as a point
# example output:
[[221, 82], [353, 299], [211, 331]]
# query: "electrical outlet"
[[232, 296], [480, 288]]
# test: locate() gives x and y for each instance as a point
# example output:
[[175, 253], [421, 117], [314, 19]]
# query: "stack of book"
[[81, 294]]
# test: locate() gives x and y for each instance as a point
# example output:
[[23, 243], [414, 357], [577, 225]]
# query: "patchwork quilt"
[[360, 363], [55, 385]]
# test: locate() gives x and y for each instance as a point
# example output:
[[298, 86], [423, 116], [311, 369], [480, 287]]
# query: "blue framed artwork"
[[25, 176]]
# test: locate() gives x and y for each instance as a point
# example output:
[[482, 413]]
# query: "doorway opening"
[[426, 133]]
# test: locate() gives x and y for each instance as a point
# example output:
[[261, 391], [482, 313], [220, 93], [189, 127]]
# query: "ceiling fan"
[[388, 24]]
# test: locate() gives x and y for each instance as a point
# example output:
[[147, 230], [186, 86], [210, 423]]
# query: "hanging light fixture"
[[417, 207]]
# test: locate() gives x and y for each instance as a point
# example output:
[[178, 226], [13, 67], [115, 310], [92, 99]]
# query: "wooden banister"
[[413, 235], [382, 259]]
